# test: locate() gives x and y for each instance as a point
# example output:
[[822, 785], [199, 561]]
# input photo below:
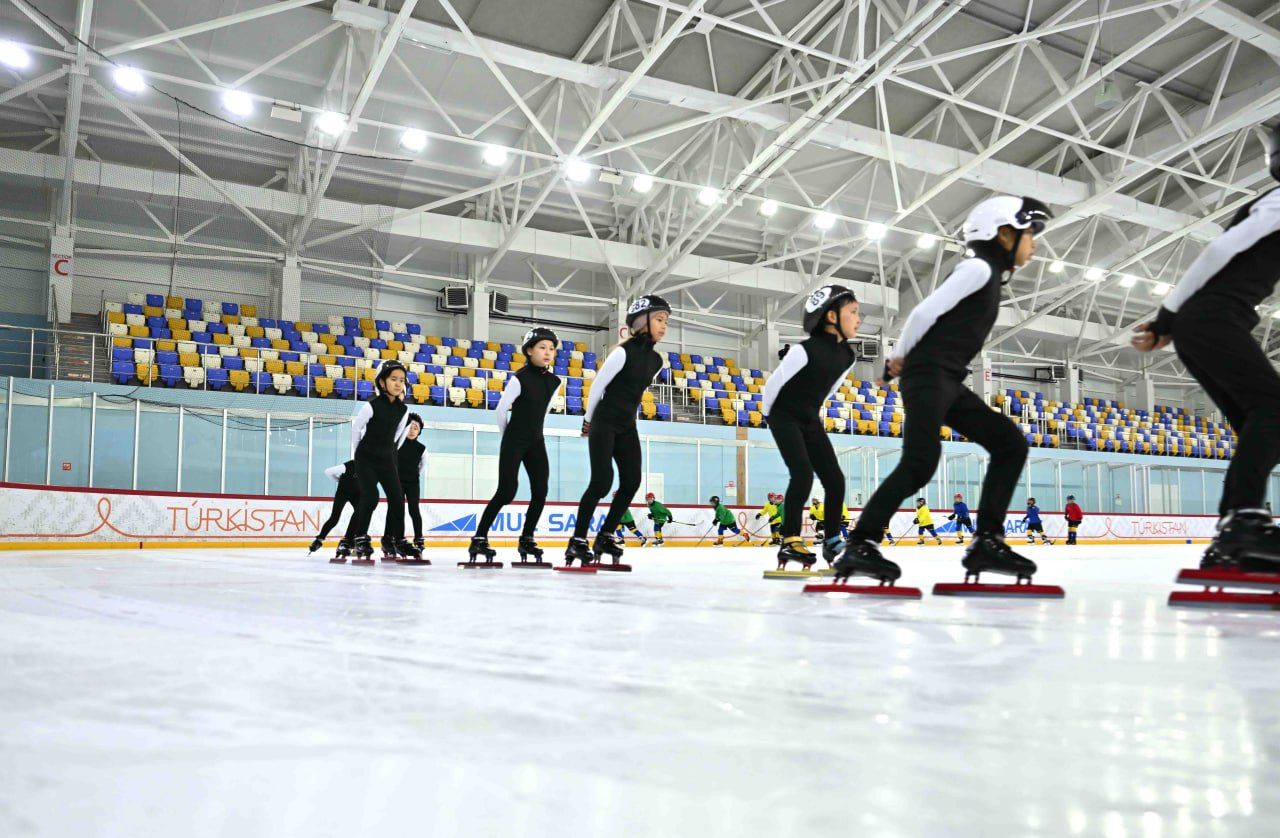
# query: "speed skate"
[[1263, 590]]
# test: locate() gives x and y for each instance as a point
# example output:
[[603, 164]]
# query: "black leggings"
[[1213, 338], [806, 449], [340, 500], [622, 447], [930, 401], [371, 473], [533, 455], [410, 492]]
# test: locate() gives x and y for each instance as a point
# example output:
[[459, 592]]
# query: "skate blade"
[[615, 568], [481, 565], [414, 561], [798, 574], [568, 568], [363, 562], [1218, 578], [337, 561], [983, 589], [531, 564], [1225, 600], [877, 591]]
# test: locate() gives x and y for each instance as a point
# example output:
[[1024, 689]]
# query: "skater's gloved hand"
[[1145, 339], [586, 427], [892, 369], [650, 517], [951, 517]]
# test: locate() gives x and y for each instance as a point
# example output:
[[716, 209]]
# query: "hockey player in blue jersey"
[[1034, 525], [960, 514]]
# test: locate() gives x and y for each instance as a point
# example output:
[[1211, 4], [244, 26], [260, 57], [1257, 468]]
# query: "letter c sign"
[[62, 265]]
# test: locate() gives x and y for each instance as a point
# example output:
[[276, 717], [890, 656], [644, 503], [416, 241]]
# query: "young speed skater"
[[772, 511], [628, 522], [1034, 524], [348, 493], [725, 522], [411, 463], [376, 431], [960, 514], [610, 426], [924, 521], [809, 374], [522, 411], [939, 339], [1074, 515], [659, 514], [1209, 317]]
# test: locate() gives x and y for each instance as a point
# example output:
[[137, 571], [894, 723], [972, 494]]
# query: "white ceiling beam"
[[1248, 29], [919, 155], [208, 26]]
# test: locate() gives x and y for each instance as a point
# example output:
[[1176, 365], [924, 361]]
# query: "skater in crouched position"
[[924, 522], [610, 427], [522, 411], [939, 339], [376, 431], [1074, 515], [725, 522], [411, 464], [1209, 317], [960, 514], [348, 493], [1035, 526], [809, 374], [659, 515]]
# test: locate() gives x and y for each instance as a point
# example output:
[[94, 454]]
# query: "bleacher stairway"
[[78, 355]]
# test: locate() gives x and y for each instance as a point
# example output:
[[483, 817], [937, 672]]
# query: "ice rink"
[[264, 693]]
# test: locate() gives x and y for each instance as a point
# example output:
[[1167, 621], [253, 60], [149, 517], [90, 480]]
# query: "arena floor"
[[261, 692]]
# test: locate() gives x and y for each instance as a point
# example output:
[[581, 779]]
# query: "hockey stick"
[[705, 534]]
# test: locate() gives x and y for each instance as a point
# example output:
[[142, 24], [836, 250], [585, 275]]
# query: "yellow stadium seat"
[[248, 311], [519, 356], [516, 366], [280, 345], [152, 311], [475, 397], [495, 384], [395, 345], [255, 331], [181, 334], [369, 373], [274, 367], [239, 379], [492, 346], [231, 319], [174, 302], [146, 372], [326, 360], [189, 359], [327, 339], [175, 325], [432, 340], [486, 364], [729, 417], [387, 354], [646, 397], [895, 429], [648, 410], [323, 386], [295, 368], [163, 345], [755, 418], [125, 342], [115, 317], [139, 331], [248, 352], [579, 346]]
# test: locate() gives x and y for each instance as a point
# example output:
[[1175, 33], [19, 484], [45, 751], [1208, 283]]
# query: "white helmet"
[[986, 219]]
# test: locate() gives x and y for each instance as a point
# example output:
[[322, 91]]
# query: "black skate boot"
[[530, 553], [1246, 540], [388, 545], [315, 545], [643, 540], [607, 545], [344, 550], [578, 549], [409, 553], [363, 550], [862, 558], [480, 547], [795, 550], [988, 553], [419, 543], [832, 548]]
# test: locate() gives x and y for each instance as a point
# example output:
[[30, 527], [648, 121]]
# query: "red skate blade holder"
[[1019, 590], [532, 564], [481, 565], [414, 561], [363, 562], [568, 568], [1214, 596], [877, 591], [615, 567]]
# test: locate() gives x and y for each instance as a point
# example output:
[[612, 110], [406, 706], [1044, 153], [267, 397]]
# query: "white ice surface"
[[259, 692]]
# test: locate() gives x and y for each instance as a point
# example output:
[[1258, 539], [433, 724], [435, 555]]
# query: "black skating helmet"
[[414, 417], [1273, 151], [384, 372], [827, 298], [919, 501], [1071, 497], [715, 500], [536, 334], [644, 308]]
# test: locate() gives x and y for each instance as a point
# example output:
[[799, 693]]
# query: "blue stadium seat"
[[268, 323], [291, 356], [414, 328], [155, 300], [454, 361], [437, 396], [351, 324], [121, 353], [216, 378], [382, 325], [302, 384], [233, 362], [260, 343], [364, 390], [346, 361], [122, 371], [132, 308], [320, 328], [230, 308], [217, 328], [449, 342], [377, 343], [345, 388], [664, 413], [492, 397], [316, 370]]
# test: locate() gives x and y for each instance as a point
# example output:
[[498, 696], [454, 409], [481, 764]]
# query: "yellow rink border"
[[163, 544]]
